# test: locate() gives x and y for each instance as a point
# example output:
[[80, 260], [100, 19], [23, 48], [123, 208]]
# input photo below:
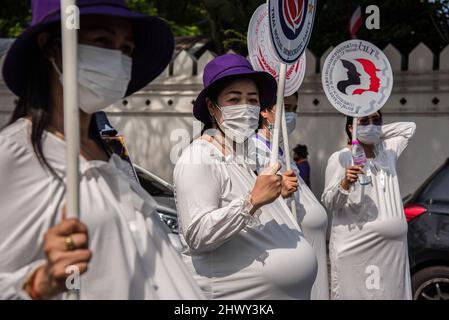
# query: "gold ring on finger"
[[69, 244]]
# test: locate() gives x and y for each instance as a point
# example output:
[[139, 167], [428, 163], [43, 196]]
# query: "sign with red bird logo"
[[262, 54], [357, 78], [291, 24]]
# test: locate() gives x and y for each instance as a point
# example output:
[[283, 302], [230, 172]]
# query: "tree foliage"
[[404, 23]]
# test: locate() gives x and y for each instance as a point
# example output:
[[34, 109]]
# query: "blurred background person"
[[311, 215], [300, 156]]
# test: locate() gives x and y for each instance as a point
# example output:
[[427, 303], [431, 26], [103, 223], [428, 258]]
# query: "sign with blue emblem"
[[291, 24]]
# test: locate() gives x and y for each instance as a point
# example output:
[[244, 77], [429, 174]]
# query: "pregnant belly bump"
[[291, 269], [394, 228]]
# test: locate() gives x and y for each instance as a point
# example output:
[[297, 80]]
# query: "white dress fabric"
[[131, 255], [310, 214], [232, 254], [368, 242]]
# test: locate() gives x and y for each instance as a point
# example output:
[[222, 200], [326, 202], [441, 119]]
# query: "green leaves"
[[14, 16], [404, 23]]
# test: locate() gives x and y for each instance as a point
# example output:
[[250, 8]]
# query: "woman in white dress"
[[368, 241], [242, 242], [120, 248], [311, 215]]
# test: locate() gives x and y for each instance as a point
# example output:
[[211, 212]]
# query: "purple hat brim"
[[153, 51], [266, 84]]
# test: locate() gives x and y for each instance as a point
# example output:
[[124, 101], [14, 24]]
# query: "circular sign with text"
[[291, 24], [357, 78], [263, 58]]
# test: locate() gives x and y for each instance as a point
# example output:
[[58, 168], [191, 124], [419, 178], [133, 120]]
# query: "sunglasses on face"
[[377, 121]]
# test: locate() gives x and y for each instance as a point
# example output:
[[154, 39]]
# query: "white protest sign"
[[263, 57], [291, 24], [357, 78]]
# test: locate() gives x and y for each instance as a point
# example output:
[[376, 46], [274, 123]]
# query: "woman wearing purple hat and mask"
[[121, 248], [241, 241]]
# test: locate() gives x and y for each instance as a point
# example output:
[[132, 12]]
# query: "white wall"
[[151, 129]]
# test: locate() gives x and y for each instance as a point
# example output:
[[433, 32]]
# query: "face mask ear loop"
[[215, 119], [217, 106], [268, 122], [53, 63]]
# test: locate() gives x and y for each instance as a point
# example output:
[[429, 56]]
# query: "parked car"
[[163, 193], [427, 213]]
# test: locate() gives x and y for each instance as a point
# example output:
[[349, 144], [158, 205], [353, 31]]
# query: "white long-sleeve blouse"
[[131, 254]]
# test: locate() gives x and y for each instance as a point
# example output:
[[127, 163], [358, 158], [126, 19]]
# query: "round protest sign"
[[291, 23], [357, 78], [263, 57]]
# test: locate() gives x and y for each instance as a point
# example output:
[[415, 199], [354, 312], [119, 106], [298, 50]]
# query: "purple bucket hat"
[[153, 39], [228, 66]]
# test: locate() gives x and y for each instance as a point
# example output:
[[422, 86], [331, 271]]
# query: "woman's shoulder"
[[342, 156], [18, 132], [200, 152], [15, 140], [16, 150]]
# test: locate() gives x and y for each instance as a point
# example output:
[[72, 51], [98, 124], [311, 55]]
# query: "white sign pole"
[[279, 110], [291, 30], [287, 156], [354, 129], [69, 12], [280, 115]]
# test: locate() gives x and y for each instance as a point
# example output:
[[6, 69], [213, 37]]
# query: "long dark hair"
[[35, 102], [213, 94]]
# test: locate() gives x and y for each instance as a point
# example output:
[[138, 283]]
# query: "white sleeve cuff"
[[24, 275], [342, 190], [252, 220]]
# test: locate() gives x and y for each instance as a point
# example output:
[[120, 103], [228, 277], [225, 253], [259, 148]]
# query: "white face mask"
[[239, 121], [290, 119], [103, 77], [369, 134]]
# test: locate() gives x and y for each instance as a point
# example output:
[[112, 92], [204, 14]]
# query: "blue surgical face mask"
[[290, 119], [369, 134], [270, 125], [270, 128]]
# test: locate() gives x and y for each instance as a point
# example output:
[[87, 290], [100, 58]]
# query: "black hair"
[[300, 152], [215, 91], [35, 102], [349, 121], [270, 108], [296, 94], [213, 94]]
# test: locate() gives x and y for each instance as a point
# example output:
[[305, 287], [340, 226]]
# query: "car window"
[[154, 187], [438, 188]]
